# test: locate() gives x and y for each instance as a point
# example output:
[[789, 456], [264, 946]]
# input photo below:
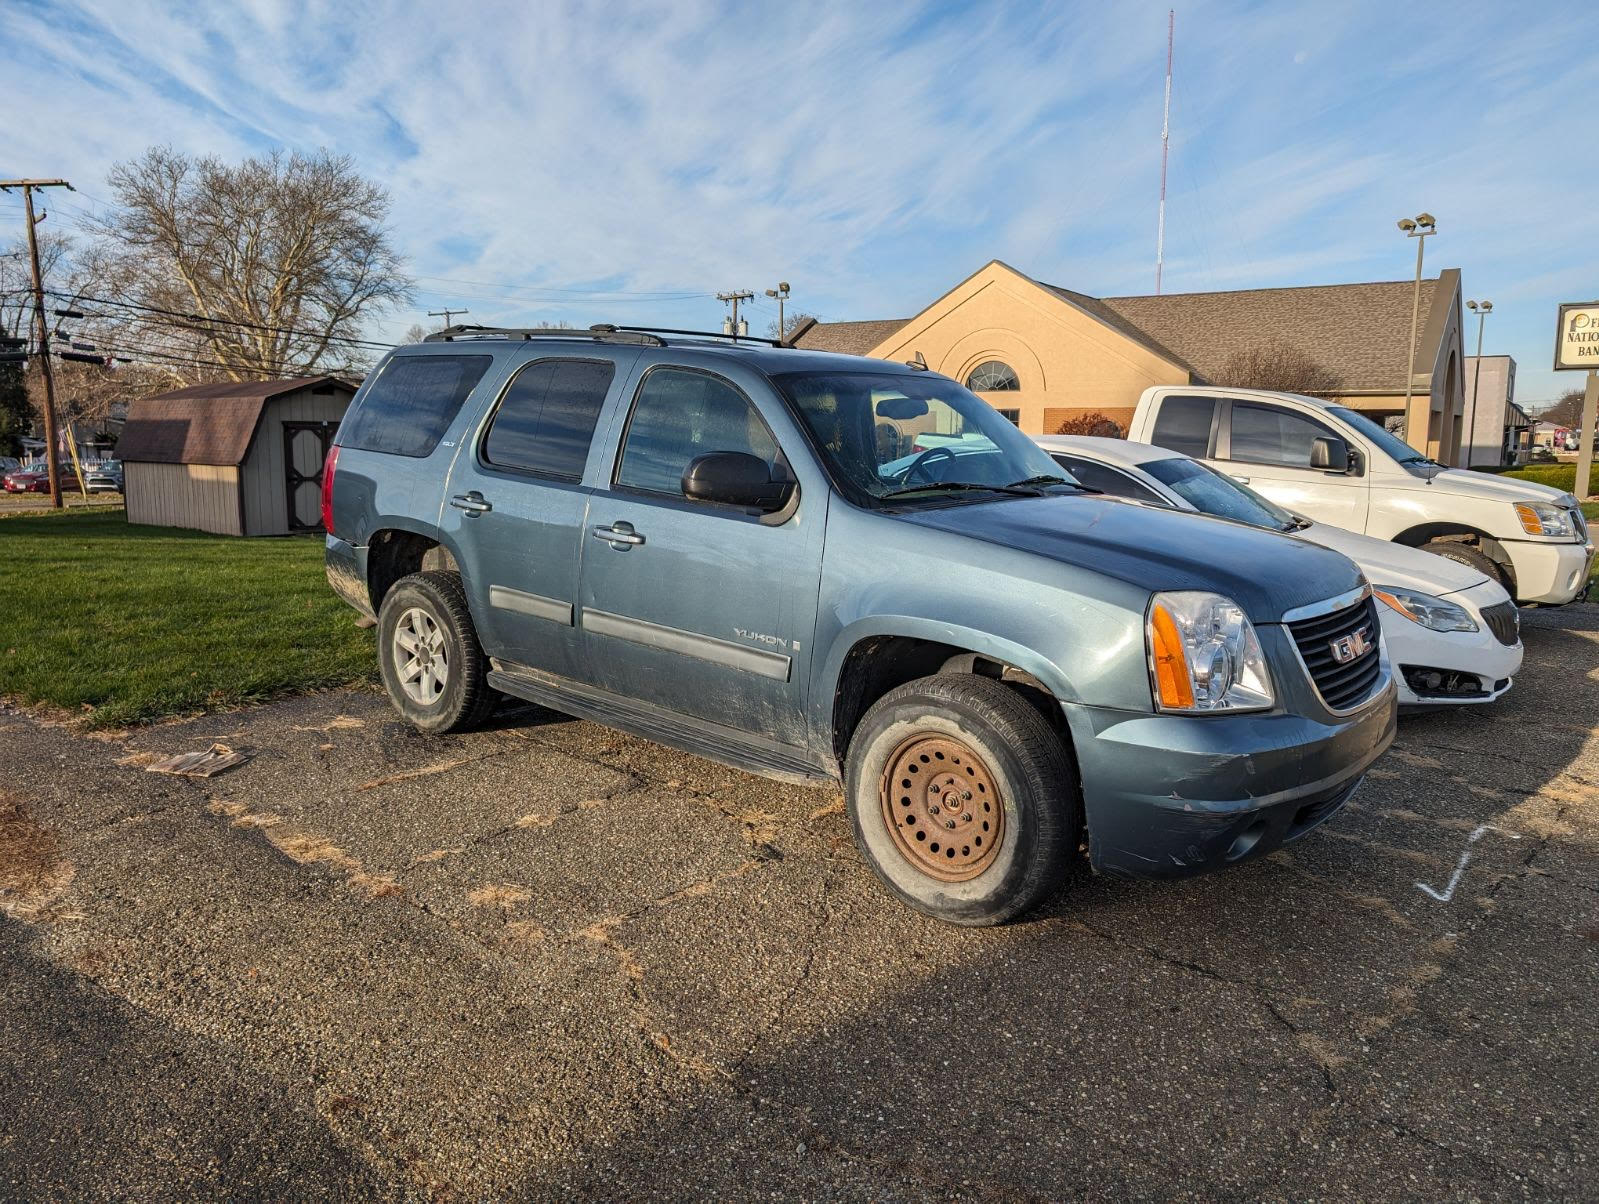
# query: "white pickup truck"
[[1336, 465]]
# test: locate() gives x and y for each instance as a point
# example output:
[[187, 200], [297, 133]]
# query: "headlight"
[[1544, 518], [1204, 654], [1432, 613]]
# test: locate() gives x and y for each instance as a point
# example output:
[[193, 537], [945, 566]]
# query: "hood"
[[1485, 485], [1386, 563], [1154, 549]]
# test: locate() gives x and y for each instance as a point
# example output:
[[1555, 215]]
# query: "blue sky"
[[619, 161]]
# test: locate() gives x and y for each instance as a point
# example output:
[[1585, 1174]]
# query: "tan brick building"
[[1045, 353]]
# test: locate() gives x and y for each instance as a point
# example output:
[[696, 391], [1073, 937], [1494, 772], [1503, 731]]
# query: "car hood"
[[1387, 563], [1485, 485], [1264, 572]]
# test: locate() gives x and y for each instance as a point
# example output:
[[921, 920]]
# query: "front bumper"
[[1169, 796], [1550, 574], [1477, 654]]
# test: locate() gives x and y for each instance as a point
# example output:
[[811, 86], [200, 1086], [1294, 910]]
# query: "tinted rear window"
[[546, 421], [1183, 425], [411, 404]]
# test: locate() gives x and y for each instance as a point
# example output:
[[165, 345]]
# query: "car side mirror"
[[1330, 454], [735, 479]]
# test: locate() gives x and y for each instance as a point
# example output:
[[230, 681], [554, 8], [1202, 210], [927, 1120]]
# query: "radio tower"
[[1165, 146]]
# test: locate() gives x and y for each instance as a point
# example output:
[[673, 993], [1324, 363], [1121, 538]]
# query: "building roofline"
[[1276, 288]]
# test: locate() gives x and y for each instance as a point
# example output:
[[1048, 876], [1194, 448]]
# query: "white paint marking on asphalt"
[[1465, 855]]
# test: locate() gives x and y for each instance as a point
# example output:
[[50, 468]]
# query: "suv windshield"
[[1210, 492], [915, 434], [1396, 447]]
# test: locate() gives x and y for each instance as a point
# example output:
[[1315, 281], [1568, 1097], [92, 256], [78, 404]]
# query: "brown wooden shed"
[[236, 458]]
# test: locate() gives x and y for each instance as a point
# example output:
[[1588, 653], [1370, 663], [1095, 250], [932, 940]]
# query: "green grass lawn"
[[132, 623]]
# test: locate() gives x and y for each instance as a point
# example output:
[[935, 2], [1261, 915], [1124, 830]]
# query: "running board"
[[741, 750]]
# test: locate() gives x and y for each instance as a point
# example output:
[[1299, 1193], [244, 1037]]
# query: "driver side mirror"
[[735, 479], [1330, 454]]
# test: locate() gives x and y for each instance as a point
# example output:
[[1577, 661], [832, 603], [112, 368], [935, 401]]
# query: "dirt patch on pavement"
[[33, 874]]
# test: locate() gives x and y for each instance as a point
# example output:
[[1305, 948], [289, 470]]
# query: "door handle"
[[472, 503], [619, 535]]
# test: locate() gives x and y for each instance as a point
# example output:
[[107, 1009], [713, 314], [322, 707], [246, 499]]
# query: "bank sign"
[[1577, 340]]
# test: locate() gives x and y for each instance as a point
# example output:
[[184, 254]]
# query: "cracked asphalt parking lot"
[[549, 961]]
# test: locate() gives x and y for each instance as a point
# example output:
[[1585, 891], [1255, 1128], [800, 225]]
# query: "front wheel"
[[1464, 553], [432, 664], [962, 798]]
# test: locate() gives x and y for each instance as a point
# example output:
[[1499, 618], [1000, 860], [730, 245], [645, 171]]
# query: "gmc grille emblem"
[[1351, 647]]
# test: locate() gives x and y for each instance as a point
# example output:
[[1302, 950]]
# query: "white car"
[[1453, 635], [1325, 460]]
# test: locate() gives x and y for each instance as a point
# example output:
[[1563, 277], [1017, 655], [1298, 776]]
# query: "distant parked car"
[[105, 479], [9, 464], [1453, 634], [37, 479]]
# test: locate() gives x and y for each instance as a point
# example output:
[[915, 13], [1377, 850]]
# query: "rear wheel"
[[1464, 553], [962, 798], [432, 664]]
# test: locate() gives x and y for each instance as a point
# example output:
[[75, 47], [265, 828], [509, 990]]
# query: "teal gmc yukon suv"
[[822, 567]]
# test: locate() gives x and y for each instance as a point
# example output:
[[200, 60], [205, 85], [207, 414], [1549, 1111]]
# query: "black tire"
[[1016, 749], [465, 699], [1464, 553]]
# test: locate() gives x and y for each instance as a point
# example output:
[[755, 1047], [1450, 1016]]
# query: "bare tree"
[[1092, 423], [1567, 411], [791, 319], [1280, 367], [268, 267]]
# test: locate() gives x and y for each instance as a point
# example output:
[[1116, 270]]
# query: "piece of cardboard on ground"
[[207, 763]]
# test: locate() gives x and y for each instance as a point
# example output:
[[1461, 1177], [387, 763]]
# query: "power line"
[[202, 320]]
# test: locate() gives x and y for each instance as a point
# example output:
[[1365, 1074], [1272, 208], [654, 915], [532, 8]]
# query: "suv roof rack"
[[600, 334], [698, 334]]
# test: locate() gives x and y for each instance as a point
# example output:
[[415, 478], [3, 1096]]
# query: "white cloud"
[[870, 154]]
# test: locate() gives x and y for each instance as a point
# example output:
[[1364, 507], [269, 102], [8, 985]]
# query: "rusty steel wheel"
[[942, 807]]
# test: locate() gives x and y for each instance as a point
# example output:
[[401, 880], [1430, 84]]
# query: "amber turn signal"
[[1172, 682]]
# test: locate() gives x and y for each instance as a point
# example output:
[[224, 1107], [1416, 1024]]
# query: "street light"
[[1482, 309], [1419, 228], [780, 295]]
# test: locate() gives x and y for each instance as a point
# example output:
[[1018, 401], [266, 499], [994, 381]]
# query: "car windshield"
[[1210, 492], [1390, 443], [916, 437]]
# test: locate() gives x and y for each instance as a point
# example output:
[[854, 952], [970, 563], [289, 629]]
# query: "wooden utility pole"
[[735, 298], [447, 314], [43, 336]]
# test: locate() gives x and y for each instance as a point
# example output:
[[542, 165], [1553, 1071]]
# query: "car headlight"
[[1204, 654], [1432, 613], [1544, 518]]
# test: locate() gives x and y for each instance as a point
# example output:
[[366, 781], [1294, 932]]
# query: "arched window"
[[992, 376]]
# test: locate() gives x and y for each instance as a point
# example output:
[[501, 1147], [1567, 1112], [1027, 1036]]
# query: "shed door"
[[305, 449]]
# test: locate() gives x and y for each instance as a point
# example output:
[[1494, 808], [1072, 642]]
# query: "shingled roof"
[[1360, 331], [849, 338], [204, 424]]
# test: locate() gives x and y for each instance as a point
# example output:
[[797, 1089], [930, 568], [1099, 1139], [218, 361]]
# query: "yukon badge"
[[1351, 647]]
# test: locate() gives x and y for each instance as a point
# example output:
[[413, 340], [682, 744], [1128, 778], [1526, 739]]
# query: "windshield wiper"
[[1047, 479], [957, 487]]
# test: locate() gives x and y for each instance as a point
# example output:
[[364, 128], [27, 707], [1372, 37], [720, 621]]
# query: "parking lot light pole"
[[780, 295], [1482, 309], [1419, 228]]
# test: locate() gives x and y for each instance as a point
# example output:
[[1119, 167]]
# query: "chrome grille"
[[1504, 621], [1342, 685]]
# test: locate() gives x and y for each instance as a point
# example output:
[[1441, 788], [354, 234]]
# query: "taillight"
[[328, 466]]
